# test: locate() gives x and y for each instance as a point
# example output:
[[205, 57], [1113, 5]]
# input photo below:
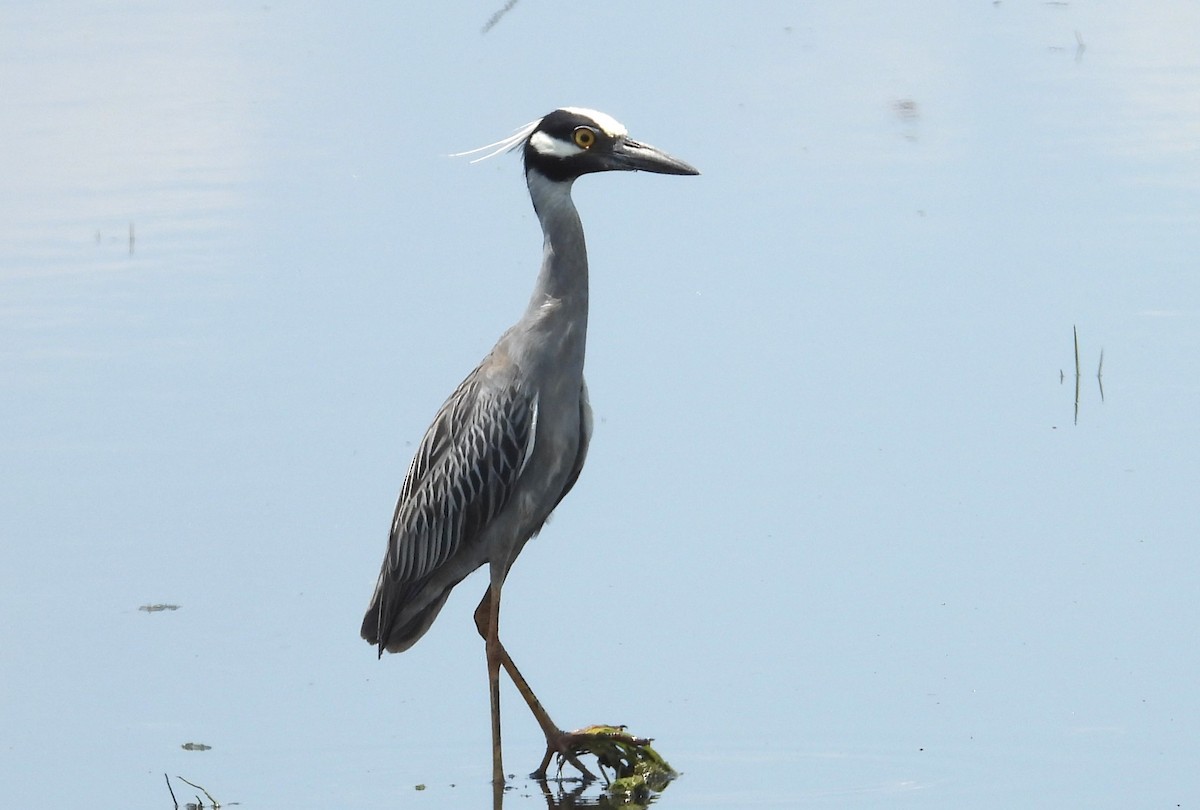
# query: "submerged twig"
[[212, 802], [172, 790]]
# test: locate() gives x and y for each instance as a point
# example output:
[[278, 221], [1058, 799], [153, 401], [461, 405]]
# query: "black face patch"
[[563, 125]]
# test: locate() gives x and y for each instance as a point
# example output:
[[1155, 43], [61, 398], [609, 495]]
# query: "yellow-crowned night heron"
[[510, 442]]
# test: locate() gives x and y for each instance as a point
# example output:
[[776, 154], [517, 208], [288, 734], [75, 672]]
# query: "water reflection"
[[565, 794], [632, 773]]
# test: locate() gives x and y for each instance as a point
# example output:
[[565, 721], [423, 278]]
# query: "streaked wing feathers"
[[461, 476]]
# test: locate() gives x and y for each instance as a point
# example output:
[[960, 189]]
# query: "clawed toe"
[[563, 745]]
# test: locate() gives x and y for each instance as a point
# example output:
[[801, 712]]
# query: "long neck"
[[563, 280]]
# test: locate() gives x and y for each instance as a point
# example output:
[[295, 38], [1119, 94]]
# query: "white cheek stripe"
[[611, 126], [553, 147]]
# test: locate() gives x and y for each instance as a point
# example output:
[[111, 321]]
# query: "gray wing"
[[462, 475]]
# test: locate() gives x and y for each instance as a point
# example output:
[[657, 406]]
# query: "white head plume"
[[504, 145]]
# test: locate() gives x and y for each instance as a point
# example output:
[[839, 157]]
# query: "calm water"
[[842, 540]]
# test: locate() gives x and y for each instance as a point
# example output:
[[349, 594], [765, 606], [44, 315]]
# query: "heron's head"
[[571, 142]]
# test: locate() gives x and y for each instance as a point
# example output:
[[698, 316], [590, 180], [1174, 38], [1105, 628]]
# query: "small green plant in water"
[[639, 771]]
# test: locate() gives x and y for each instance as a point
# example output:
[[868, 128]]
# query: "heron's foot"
[[631, 759]]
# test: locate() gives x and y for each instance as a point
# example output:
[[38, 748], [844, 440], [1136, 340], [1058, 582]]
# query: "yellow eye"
[[584, 138]]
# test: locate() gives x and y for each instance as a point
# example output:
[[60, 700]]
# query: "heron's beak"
[[632, 156]]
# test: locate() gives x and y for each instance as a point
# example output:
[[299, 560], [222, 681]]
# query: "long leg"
[[556, 739], [491, 642]]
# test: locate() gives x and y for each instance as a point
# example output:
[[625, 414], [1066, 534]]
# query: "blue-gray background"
[[839, 542]]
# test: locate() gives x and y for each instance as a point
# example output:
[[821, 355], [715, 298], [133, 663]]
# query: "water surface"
[[842, 539]]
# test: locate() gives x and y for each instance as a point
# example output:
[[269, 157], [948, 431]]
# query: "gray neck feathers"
[[563, 280]]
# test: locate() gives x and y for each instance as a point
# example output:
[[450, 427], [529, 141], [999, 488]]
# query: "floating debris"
[[191, 746], [906, 109], [157, 608]]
